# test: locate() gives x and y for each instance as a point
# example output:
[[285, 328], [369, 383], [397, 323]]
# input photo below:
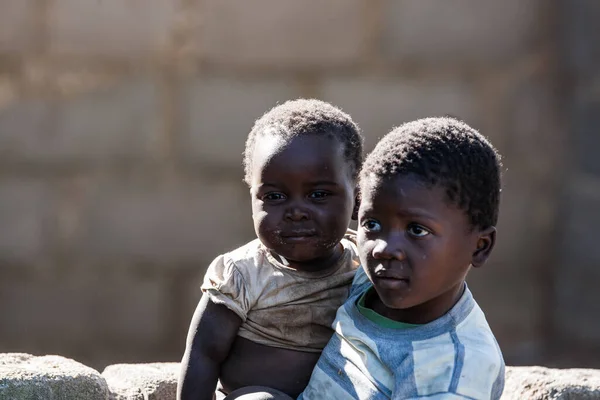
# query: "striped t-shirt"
[[453, 357]]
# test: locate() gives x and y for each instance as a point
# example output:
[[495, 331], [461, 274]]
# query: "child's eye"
[[274, 196], [418, 231], [370, 225], [318, 194]]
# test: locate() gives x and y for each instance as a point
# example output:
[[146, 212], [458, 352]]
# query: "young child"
[[410, 327], [268, 306]]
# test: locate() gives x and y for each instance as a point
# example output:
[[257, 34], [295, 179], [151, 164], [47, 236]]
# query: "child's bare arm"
[[211, 334]]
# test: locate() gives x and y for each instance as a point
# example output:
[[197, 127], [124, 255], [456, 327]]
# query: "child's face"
[[416, 247], [302, 197]]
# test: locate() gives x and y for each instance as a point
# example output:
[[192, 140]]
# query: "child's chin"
[[393, 301], [300, 257]]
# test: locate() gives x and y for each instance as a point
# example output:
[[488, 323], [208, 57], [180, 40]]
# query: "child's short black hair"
[[307, 117], [443, 151]]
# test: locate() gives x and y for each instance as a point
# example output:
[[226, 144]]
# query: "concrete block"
[[26, 377], [585, 120], [536, 142], [460, 31], [17, 29], [539, 383], [119, 121], [582, 200], [22, 124], [99, 314], [114, 122], [378, 105], [221, 112], [157, 381], [8, 90], [580, 49], [164, 222], [577, 273], [25, 208], [283, 34], [509, 287], [110, 28]]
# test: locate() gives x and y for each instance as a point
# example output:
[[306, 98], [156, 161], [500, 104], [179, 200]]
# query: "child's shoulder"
[[468, 343], [473, 325], [483, 365], [245, 253], [244, 260], [477, 336]]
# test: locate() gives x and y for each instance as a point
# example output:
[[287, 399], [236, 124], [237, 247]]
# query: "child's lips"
[[300, 233], [298, 236], [391, 282]]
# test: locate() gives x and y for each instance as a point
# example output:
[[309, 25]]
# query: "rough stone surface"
[[538, 383], [26, 377], [284, 33], [157, 381]]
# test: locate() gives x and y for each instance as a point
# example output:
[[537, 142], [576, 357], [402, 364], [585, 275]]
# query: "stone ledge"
[[157, 381], [27, 377], [539, 383]]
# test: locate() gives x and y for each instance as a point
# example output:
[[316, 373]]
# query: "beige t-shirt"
[[280, 306]]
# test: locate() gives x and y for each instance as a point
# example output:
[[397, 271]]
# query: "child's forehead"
[[411, 196], [275, 138], [403, 189], [398, 184], [305, 157], [301, 149]]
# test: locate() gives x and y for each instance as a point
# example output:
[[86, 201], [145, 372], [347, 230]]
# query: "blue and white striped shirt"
[[453, 357]]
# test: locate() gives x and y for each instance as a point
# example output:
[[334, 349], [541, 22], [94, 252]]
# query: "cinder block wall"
[[122, 124]]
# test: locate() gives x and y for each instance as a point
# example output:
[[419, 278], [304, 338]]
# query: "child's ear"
[[485, 244], [356, 205]]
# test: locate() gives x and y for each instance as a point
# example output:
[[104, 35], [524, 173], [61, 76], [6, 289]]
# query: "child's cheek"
[[259, 215]]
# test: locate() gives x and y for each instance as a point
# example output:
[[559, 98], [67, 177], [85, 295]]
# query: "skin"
[[303, 198], [417, 248]]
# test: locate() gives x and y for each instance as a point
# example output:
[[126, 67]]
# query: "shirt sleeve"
[[224, 284]]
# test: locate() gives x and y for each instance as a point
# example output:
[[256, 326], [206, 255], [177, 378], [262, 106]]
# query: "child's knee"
[[257, 393]]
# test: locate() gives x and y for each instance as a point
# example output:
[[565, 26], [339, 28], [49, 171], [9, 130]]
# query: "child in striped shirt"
[[411, 329]]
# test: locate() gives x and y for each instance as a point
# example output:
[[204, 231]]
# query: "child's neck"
[[422, 313], [315, 264]]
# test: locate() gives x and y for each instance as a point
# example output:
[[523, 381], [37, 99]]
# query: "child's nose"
[[388, 249], [296, 213]]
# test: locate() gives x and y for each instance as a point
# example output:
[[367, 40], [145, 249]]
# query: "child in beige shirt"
[[268, 306]]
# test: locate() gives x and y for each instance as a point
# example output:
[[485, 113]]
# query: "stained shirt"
[[280, 306]]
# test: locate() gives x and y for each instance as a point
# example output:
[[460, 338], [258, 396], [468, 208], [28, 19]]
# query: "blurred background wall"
[[122, 124]]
